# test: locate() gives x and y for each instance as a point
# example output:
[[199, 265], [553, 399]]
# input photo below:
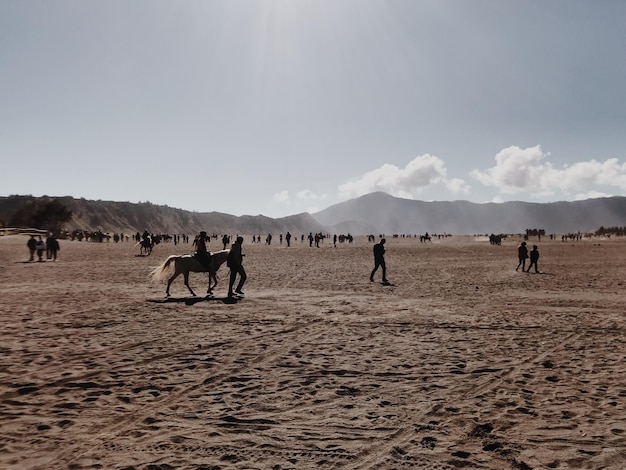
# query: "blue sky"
[[277, 107]]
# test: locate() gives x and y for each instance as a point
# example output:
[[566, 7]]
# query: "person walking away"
[[41, 247], [522, 254], [235, 263], [32, 247], [534, 257], [202, 254], [379, 261]]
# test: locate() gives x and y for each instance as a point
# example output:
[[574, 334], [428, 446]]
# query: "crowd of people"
[[38, 247]]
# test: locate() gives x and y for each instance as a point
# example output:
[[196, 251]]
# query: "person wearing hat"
[[522, 254], [202, 254], [234, 262]]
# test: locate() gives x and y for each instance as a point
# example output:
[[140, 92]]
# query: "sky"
[[278, 107]]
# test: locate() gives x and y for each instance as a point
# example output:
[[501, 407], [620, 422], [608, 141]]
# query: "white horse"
[[184, 264]]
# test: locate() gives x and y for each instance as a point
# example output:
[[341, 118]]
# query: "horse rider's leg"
[[186, 275]]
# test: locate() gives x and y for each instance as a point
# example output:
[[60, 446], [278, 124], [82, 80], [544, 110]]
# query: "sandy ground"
[[462, 363]]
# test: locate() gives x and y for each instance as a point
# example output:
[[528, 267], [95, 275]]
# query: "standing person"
[[534, 257], [49, 243], [202, 254], [522, 254], [32, 247], [41, 247], [288, 238], [234, 262], [52, 246], [379, 260]]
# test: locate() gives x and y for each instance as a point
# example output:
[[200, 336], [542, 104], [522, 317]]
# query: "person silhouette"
[[32, 247], [522, 255], [234, 262], [379, 261], [534, 257], [202, 254]]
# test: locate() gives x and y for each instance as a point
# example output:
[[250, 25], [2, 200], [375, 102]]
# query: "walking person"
[[235, 263], [379, 261], [522, 255], [534, 257]]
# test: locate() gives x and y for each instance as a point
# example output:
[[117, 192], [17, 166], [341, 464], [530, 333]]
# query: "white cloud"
[[306, 195], [526, 171], [282, 196], [422, 172]]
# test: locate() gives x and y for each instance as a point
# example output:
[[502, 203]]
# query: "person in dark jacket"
[[534, 257], [32, 247], [379, 261], [201, 253], [235, 263], [522, 255]]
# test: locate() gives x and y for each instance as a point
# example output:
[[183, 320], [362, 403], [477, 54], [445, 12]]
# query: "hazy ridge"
[[381, 213], [373, 213]]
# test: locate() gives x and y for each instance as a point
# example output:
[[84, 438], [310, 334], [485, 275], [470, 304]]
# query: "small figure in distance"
[[32, 247], [379, 261], [202, 254], [534, 257], [52, 247], [235, 263], [41, 247], [522, 254]]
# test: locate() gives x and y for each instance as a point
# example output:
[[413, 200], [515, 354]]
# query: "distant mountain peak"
[[380, 212]]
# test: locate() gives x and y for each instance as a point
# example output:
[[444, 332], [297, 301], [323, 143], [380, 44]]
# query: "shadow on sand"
[[195, 300]]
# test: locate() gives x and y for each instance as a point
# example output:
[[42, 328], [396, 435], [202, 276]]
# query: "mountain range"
[[374, 213], [381, 213]]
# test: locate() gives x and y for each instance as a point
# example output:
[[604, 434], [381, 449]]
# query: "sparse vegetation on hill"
[[126, 217]]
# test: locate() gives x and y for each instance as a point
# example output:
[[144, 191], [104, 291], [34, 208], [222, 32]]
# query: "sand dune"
[[462, 363]]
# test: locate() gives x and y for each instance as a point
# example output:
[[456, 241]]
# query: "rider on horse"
[[202, 253]]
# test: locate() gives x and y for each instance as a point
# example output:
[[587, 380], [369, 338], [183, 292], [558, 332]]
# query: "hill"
[[370, 214], [129, 218], [381, 213]]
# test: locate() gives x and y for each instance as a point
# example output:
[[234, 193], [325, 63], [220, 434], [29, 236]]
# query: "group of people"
[[234, 262], [523, 255], [38, 246]]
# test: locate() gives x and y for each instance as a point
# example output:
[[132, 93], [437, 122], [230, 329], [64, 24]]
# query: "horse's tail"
[[161, 272]]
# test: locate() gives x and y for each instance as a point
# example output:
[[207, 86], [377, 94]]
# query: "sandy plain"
[[462, 363]]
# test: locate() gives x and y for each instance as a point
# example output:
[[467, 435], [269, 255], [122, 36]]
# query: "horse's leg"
[[211, 287], [186, 276], [169, 283]]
